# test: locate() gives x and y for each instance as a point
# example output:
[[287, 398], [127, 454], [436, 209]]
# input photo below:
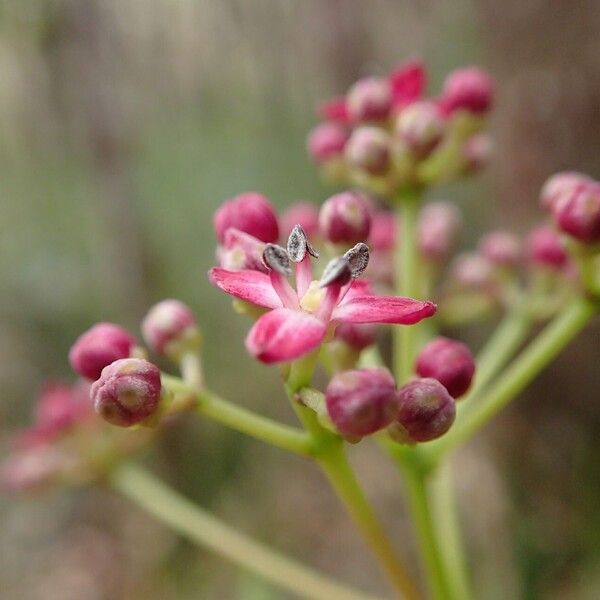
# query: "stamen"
[[358, 259], [284, 290], [276, 258], [298, 245], [329, 302], [337, 271], [303, 276]]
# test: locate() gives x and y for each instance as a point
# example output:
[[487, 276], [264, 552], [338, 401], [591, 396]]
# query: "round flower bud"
[[170, 329], [361, 402], [383, 231], [426, 411], [368, 149], [544, 248], [127, 392], [60, 406], [345, 218], [501, 248], [99, 346], [357, 335], [470, 89], [249, 212], [448, 361], [439, 224], [304, 214], [472, 271], [560, 186], [369, 99], [420, 126], [327, 141], [579, 213], [476, 153]]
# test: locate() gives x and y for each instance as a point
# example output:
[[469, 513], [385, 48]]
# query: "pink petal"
[[334, 110], [252, 286], [283, 335], [383, 309], [358, 288], [408, 83]]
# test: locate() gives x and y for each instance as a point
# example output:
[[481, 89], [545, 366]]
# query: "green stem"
[[407, 279], [208, 531], [557, 334], [244, 420], [448, 530]]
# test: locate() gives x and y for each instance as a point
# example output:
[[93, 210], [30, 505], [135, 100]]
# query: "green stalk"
[[208, 531], [407, 276], [557, 334]]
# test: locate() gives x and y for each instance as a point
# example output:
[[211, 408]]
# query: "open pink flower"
[[300, 318]]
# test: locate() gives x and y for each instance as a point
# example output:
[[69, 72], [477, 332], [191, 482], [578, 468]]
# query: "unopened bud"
[[249, 212], [579, 214], [368, 150], [543, 247], [425, 413], [448, 361], [439, 224], [472, 271], [383, 231], [345, 218], [470, 89], [476, 153], [304, 214], [327, 141], [501, 248], [357, 335], [369, 99], [420, 126], [560, 186], [99, 346], [361, 402], [170, 329], [127, 392]]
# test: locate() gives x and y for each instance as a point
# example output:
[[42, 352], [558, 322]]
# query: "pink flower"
[[408, 82], [299, 317], [327, 141], [469, 88]]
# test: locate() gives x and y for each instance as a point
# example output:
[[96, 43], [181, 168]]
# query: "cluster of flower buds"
[[386, 134]]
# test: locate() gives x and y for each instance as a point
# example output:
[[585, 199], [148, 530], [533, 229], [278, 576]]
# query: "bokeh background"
[[123, 124]]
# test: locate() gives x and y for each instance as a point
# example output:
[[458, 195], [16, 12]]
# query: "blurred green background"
[[123, 125]]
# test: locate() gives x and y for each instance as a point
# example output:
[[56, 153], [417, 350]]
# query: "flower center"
[[312, 299]]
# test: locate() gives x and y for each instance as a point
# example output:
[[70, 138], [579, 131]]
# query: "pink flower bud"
[[249, 212], [448, 361], [357, 335], [426, 411], [408, 82], [327, 141], [501, 248], [472, 271], [559, 186], [60, 406], [170, 329], [361, 402], [99, 346], [544, 248], [420, 126], [368, 149], [383, 231], [476, 153], [335, 110], [304, 214], [345, 218], [470, 89], [579, 213], [127, 392], [369, 99], [439, 224]]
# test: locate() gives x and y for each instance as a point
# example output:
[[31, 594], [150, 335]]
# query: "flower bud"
[[448, 361], [327, 141], [544, 248], [361, 402], [334, 109], [579, 213], [32, 468], [251, 213], [420, 126], [439, 223], [368, 149], [369, 99], [472, 271], [357, 335], [304, 214], [470, 89], [476, 153], [99, 346], [345, 218], [559, 186], [127, 392], [60, 406], [382, 235], [501, 248], [170, 329], [426, 411], [241, 251]]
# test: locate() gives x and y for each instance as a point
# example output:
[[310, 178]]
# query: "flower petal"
[[383, 309], [283, 335], [358, 287], [252, 286]]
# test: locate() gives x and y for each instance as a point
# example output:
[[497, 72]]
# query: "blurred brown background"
[[123, 124]]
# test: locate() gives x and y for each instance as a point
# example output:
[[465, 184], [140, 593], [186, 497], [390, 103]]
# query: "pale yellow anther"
[[312, 299]]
